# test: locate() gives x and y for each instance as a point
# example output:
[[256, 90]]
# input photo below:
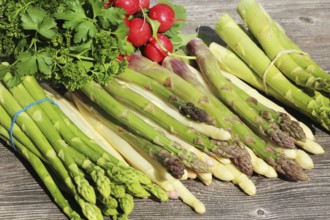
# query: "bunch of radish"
[[148, 26]]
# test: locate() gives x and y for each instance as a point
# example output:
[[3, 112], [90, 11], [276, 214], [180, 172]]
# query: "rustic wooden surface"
[[308, 23]]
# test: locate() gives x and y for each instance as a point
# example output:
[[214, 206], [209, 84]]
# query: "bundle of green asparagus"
[[282, 70], [222, 116], [66, 158]]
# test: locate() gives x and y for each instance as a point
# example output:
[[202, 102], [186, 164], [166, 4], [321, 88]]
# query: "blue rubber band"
[[23, 110]]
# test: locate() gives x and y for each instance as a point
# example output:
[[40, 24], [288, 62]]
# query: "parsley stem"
[[80, 57]]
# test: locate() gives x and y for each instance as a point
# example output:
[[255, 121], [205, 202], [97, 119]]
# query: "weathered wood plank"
[[308, 23]]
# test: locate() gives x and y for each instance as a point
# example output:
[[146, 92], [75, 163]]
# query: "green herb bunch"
[[70, 42]]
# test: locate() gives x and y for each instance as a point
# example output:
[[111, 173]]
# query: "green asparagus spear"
[[300, 57], [42, 121], [227, 92], [261, 27], [232, 147], [98, 95], [85, 145], [44, 175], [285, 91], [143, 105], [89, 210], [226, 119], [172, 163], [228, 61]]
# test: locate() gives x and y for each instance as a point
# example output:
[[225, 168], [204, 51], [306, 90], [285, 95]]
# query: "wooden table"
[[308, 23]]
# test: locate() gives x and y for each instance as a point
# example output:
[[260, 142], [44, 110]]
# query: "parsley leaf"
[[30, 63], [75, 19], [111, 17], [38, 20]]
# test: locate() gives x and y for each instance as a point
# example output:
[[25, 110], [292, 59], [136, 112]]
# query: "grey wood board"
[[22, 195]]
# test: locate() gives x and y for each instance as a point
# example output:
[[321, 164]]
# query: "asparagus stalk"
[[227, 92], [261, 27], [72, 112], [42, 121], [123, 147], [143, 105], [170, 162], [287, 125], [235, 66], [217, 169], [43, 174], [122, 173], [164, 97], [226, 119], [98, 95], [237, 40], [303, 60], [89, 210], [184, 194]]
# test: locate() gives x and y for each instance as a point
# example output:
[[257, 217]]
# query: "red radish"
[[154, 51], [130, 6], [164, 14], [139, 31], [126, 21], [144, 4]]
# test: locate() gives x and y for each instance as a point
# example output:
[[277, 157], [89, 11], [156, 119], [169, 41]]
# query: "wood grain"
[[308, 24]]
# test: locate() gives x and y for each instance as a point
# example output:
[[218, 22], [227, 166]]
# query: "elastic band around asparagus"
[[46, 127], [238, 71], [261, 25], [72, 112], [82, 143], [123, 147], [89, 210], [227, 92], [312, 106]]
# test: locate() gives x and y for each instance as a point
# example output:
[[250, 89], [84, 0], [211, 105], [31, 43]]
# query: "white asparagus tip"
[[304, 160], [199, 207], [247, 185], [206, 178], [221, 134], [185, 175], [311, 146], [222, 172]]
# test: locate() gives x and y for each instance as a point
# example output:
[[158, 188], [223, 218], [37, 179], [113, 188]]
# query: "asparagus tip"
[[291, 170]]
